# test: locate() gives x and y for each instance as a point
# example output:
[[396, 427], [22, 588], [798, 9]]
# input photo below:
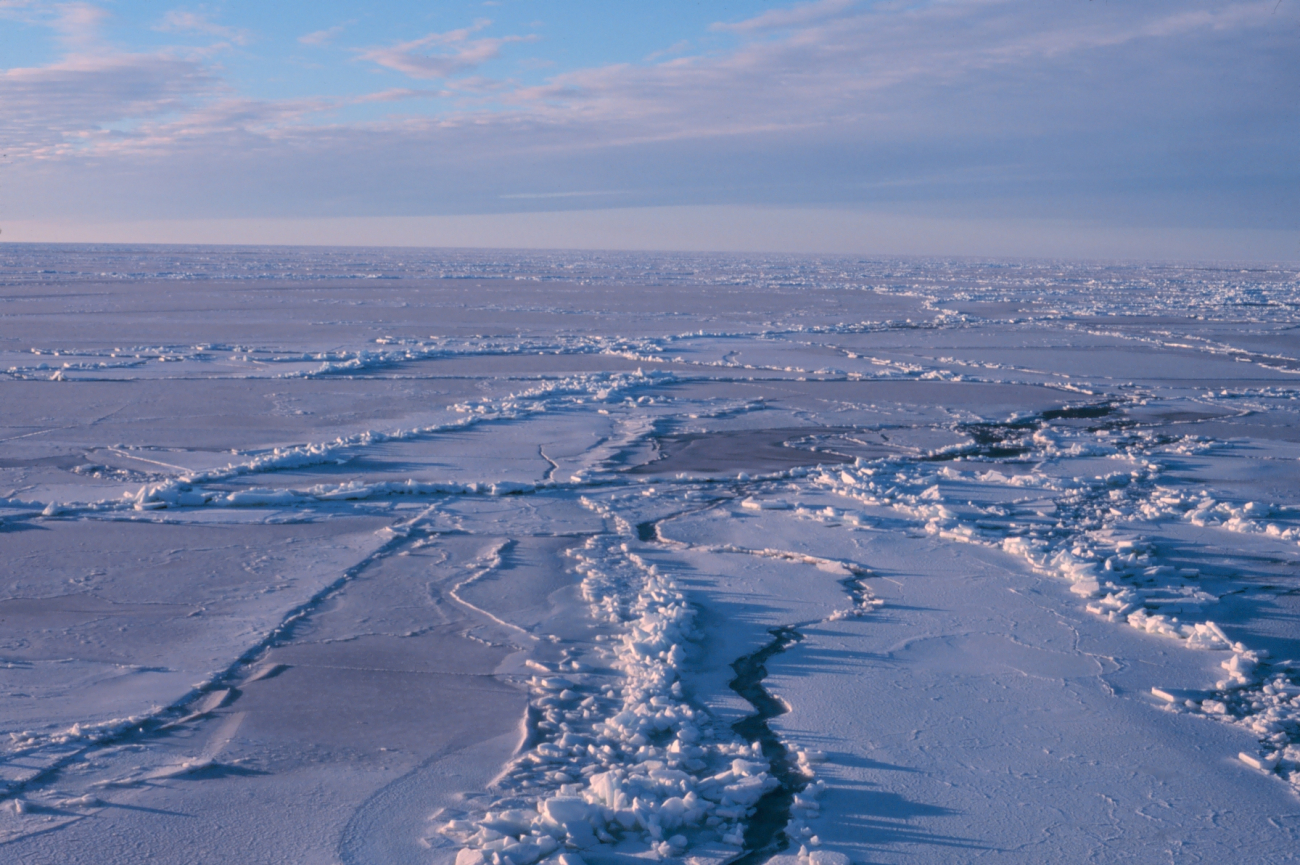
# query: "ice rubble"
[[632, 760], [635, 761], [1100, 564]]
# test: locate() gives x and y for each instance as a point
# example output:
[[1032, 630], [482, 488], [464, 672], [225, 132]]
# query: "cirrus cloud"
[[441, 55], [324, 37], [183, 21]]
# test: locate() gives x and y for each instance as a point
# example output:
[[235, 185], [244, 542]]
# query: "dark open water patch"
[[1011, 439]]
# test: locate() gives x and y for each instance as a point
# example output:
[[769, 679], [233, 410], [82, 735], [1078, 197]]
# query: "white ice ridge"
[[187, 490], [632, 762], [633, 348], [390, 351], [261, 361], [29, 753], [635, 765], [253, 362], [1109, 567]]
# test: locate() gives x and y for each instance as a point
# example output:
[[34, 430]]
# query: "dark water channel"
[[765, 836]]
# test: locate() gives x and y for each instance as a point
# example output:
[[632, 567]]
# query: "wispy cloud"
[[400, 94], [899, 69], [677, 48], [326, 36], [583, 194], [51, 111], [783, 19], [183, 21], [442, 55], [57, 110], [79, 24]]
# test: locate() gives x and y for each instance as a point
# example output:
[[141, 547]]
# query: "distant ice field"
[[491, 558]]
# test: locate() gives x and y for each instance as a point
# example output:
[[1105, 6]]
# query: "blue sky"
[[1175, 122]]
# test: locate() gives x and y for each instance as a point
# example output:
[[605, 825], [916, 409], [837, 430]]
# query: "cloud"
[[441, 55], [78, 24], [56, 110], [677, 48], [992, 67], [572, 194], [833, 231], [398, 94], [782, 19], [965, 108], [880, 73], [61, 110], [181, 21], [324, 37]]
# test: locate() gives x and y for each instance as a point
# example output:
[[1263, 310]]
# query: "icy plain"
[[392, 556]]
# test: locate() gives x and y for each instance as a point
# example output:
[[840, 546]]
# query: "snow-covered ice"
[[372, 556]]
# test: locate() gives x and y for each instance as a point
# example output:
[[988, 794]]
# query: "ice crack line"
[[489, 563], [52, 754], [778, 817], [630, 761], [765, 834]]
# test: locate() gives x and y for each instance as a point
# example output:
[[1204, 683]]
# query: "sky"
[[1074, 128]]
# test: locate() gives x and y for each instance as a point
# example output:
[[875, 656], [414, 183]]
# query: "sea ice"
[[486, 558]]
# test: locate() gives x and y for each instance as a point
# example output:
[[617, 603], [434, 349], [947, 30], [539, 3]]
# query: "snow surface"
[[373, 556]]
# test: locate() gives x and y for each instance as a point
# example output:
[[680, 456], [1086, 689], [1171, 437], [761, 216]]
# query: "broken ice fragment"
[[1264, 764]]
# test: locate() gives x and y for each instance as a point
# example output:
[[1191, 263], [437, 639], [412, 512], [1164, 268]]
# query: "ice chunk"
[[827, 857], [1087, 587], [765, 504], [266, 671], [1264, 764], [469, 856], [211, 701], [574, 816], [177, 770]]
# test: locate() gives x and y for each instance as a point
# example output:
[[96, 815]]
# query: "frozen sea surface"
[[391, 556]]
